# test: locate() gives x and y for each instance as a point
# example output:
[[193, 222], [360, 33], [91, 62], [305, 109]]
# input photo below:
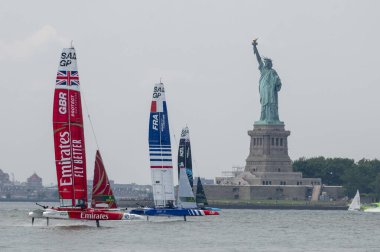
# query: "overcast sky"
[[326, 53]]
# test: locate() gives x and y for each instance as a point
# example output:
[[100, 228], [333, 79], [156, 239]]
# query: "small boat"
[[371, 208], [355, 203], [70, 152], [162, 168]]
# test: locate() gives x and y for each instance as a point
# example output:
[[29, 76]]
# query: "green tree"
[[363, 175], [330, 170]]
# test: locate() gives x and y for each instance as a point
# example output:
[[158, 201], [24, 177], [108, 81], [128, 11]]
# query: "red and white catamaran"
[[70, 155]]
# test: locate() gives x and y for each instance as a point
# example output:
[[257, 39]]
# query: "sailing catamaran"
[[185, 173], [161, 165], [184, 155], [368, 208], [185, 167], [70, 152]]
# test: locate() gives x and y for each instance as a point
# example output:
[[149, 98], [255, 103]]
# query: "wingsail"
[[70, 155], [160, 150], [200, 195], [186, 197], [184, 155]]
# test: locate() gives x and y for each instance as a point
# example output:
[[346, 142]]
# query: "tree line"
[[363, 175]]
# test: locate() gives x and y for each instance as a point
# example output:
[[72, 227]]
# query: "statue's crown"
[[267, 59]]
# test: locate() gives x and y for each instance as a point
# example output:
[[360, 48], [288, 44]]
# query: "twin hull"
[[173, 212], [88, 214]]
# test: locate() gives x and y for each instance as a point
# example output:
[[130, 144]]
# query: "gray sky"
[[326, 53]]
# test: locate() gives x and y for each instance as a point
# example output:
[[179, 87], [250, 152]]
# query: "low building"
[[272, 192], [204, 181], [34, 181], [4, 178]]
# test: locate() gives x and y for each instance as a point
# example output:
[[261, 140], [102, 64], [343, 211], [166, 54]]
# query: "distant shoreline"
[[28, 200], [279, 207], [300, 205], [268, 204], [280, 204]]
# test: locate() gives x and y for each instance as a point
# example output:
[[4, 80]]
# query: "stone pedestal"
[[268, 149]]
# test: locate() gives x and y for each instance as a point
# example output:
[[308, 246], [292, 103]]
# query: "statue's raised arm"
[[256, 52]]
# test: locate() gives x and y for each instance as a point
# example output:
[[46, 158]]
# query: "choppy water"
[[234, 230]]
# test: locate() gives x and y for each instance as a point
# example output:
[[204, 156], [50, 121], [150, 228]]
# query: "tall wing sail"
[[184, 155], [70, 156], [160, 150], [200, 195], [185, 192], [102, 193]]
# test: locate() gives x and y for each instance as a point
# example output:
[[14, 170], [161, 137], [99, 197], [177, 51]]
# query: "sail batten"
[[70, 155], [160, 150]]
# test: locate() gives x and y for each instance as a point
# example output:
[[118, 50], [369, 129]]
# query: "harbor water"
[[233, 230]]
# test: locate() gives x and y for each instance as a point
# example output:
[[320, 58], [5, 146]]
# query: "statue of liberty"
[[269, 85]]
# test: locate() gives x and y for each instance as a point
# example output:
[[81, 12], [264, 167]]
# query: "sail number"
[[62, 102], [155, 122]]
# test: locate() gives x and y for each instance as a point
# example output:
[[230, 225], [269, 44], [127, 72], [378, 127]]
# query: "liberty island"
[[268, 172]]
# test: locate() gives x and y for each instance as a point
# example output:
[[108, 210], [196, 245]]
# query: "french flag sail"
[[102, 194], [70, 155], [184, 155], [160, 150]]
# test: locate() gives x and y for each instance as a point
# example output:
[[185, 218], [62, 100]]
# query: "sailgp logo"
[[157, 92], [67, 58]]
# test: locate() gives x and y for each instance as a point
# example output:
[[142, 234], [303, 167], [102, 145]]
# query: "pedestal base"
[[268, 149]]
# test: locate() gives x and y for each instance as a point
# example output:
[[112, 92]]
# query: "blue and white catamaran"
[[161, 165]]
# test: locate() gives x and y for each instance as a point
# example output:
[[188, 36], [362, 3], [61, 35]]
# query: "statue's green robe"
[[270, 84]]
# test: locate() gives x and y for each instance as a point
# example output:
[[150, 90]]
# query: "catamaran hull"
[[212, 208], [89, 215], [173, 212], [130, 216], [38, 213]]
